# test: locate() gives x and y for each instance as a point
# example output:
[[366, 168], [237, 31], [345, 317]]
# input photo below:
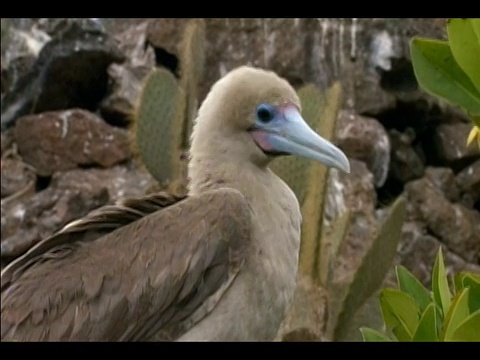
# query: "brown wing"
[[146, 279], [91, 227]]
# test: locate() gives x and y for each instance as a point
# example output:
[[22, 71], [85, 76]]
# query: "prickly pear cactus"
[[192, 64], [158, 126], [322, 310], [293, 170], [369, 275], [309, 182], [308, 179], [167, 109]]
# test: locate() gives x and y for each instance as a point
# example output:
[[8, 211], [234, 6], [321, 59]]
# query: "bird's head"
[[255, 115]]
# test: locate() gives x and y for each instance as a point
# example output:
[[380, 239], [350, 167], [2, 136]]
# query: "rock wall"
[[69, 88]]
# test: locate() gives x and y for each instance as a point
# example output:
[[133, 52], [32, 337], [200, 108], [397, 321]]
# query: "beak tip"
[[344, 163]]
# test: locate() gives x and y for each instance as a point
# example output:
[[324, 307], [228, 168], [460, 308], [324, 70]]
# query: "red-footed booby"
[[218, 264]]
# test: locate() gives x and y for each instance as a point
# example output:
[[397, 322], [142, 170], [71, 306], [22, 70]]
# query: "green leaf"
[[457, 313], [465, 46], [441, 292], [472, 281], [427, 326], [373, 335], [474, 294], [400, 313], [438, 73], [408, 283], [469, 329], [476, 27]]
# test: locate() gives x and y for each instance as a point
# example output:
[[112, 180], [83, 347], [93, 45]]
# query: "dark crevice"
[[400, 78], [389, 192], [167, 60], [418, 115], [42, 183], [418, 118]]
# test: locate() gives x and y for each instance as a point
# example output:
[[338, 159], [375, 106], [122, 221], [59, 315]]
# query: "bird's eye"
[[264, 113]]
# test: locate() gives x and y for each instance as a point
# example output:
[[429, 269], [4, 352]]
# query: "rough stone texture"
[[365, 139], [307, 319], [70, 195], [166, 34], [70, 71], [450, 145], [444, 180], [126, 78], [468, 181], [22, 40], [360, 198], [418, 250], [363, 53], [455, 225], [405, 163], [6, 140], [26, 223], [16, 176], [62, 140]]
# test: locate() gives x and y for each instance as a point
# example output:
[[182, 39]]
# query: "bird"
[[218, 263]]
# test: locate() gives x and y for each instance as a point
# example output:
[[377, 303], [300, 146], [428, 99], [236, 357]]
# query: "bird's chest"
[[267, 282], [273, 266], [256, 303]]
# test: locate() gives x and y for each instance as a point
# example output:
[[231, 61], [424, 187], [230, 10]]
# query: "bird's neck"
[[212, 172]]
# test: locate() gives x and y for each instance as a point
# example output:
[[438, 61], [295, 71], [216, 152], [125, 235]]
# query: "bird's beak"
[[290, 134]]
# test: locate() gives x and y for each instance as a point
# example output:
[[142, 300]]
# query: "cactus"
[[317, 299], [294, 170], [330, 244], [192, 64], [309, 179], [157, 134], [371, 272], [309, 182], [167, 107]]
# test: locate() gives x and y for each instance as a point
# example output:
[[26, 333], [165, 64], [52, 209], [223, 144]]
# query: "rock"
[[166, 34], [71, 195], [44, 213], [468, 180], [62, 140], [455, 225], [80, 45], [16, 177], [359, 197], [370, 57], [307, 318], [450, 145], [121, 181], [405, 163], [126, 78], [444, 180], [6, 141], [364, 138], [22, 40], [418, 250]]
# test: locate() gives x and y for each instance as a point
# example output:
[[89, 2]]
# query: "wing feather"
[[163, 264]]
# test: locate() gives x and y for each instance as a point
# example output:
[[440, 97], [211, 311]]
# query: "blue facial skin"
[[281, 130]]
